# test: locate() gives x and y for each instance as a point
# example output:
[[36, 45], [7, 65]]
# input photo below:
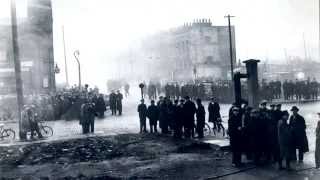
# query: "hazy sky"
[[101, 29]]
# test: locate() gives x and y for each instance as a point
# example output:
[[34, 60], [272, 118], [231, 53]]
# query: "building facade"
[[195, 50], [35, 40]]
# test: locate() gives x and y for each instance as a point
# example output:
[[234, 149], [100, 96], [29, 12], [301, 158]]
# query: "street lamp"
[[76, 56], [56, 69]]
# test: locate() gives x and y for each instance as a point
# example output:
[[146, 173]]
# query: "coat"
[[298, 125], [201, 116], [87, 113], [234, 123], [214, 111], [142, 110], [153, 113], [189, 109], [285, 140]]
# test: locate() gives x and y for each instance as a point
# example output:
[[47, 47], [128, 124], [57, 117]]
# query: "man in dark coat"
[[142, 110], [214, 112], [265, 121], [298, 126], [87, 117], [277, 115], [112, 101], [119, 98], [163, 116], [189, 109], [178, 121], [272, 132], [100, 106], [153, 115], [201, 118], [235, 128]]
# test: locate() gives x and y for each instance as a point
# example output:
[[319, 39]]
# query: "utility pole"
[[230, 44], [65, 57], [17, 65], [76, 55]]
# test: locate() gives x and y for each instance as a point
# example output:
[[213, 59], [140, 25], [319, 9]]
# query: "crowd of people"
[[69, 104], [291, 90], [267, 135], [263, 135], [205, 90], [177, 117], [288, 90]]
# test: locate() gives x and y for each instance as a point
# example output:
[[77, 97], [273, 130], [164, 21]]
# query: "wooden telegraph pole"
[[230, 44], [17, 65]]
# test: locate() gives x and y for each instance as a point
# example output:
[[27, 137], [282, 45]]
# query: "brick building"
[[36, 51]]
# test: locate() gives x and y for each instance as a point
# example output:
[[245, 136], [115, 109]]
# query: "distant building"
[[195, 50], [36, 51]]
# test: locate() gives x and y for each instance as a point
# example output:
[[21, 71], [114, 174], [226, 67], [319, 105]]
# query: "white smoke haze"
[[103, 30]]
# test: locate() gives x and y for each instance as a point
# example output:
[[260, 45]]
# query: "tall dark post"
[[17, 66], [230, 45], [141, 86], [253, 84], [237, 87]]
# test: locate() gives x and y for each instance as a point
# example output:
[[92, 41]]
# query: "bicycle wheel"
[[220, 131], [46, 131], [206, 130], [8, 134]]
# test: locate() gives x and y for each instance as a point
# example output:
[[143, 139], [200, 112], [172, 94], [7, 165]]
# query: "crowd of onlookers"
[[183, 118], [265, 135]]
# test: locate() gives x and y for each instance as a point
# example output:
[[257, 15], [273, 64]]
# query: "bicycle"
[[206, 129], [219, 130], [45, 130], [7, 133]]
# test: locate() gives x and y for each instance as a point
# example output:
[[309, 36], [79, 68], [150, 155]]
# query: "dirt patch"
[[130, 156]]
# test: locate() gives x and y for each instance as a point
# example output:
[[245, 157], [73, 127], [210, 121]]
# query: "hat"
[[235, 109], [264, 102], [279, 105], [272, 105], [294, 108]]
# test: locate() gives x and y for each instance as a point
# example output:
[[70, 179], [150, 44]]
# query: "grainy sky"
[[101, 29]]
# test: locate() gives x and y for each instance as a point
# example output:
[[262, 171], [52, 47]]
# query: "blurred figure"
[[119, 98], [112, 101], [142, 110], [201, 118], [285, 141], [100, 106], [126, 90], [214, 112]]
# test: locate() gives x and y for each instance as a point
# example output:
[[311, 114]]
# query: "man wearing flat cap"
[[265, 121], [298, 126]]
